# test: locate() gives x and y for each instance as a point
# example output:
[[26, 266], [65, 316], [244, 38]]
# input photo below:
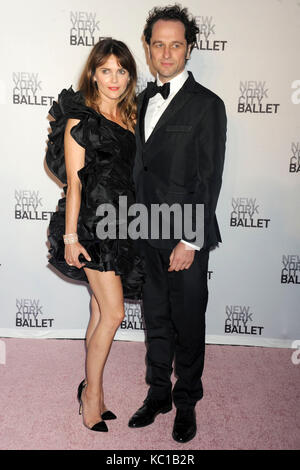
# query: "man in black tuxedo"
[[181, 134]]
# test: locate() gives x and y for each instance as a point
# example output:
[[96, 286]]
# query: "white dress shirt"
[[156, 107], [157, 104]]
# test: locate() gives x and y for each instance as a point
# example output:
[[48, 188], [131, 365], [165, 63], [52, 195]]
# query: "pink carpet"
[[252, 399]]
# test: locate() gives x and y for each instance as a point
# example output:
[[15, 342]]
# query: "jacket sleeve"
[[210, 152]]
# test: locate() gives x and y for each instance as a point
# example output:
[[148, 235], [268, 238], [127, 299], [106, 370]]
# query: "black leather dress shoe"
[[148, 412], [184, 425]]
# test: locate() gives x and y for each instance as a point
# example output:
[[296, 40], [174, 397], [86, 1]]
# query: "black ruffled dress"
[[106, 175]]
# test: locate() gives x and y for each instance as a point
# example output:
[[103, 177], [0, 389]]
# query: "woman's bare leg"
[[108, 292], [94, 319], [93, 323]]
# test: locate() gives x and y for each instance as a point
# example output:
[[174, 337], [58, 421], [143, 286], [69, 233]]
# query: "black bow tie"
[[153, 89]]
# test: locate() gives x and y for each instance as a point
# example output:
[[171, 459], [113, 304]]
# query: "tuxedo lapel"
[[179, 100], [142, 107]]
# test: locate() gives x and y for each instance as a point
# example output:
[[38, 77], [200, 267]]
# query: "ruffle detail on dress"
[[92, 132], [69, 105], [106, 175], [119, 256]]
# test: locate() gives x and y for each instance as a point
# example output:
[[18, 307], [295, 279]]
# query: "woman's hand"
[[72, 252]]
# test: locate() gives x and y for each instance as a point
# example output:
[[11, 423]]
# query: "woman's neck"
[[109, 107]]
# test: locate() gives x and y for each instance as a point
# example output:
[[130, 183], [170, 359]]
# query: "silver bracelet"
[[70, 238]]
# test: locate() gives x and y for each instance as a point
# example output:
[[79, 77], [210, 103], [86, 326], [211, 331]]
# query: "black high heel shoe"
[[101, 426], [107, 415]]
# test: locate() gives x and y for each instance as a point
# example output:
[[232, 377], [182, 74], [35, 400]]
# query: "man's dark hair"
[[175, 13]]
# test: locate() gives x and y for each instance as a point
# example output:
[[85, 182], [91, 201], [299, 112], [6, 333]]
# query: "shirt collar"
[[175, 83]]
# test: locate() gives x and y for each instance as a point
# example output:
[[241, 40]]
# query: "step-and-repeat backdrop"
[[248, 53]]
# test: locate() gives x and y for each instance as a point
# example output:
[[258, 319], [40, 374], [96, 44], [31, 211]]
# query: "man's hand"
[[181, 257]]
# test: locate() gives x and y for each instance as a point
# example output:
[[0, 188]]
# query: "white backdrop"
[[247, 53]]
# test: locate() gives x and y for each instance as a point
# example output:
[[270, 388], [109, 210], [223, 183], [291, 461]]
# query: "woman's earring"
[[96, 84]]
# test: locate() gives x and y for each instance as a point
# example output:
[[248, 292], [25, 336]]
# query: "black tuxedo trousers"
[[174, 312]]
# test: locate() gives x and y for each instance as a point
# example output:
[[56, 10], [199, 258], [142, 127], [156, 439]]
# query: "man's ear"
[[188, 52], [148, 50]]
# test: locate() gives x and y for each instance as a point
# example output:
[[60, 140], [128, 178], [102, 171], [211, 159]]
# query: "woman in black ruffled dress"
[[91, 149]]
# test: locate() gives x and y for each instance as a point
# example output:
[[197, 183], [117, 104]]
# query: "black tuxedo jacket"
[[182, 160]]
